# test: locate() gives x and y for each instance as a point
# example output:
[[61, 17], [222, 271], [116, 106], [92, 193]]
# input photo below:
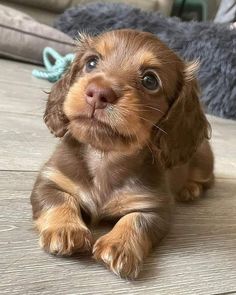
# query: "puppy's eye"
[[91, 64], [150, 81]]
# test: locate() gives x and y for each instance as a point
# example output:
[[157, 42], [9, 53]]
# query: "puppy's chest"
[[104, 174], [107, 174], [112, 176], [95, 163]]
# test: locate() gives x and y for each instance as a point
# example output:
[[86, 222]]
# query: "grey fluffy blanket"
[[213, 44]]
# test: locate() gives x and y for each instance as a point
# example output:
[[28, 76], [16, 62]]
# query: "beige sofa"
[[46, 11]]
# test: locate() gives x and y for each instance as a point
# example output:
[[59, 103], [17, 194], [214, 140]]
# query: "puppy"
[[133, 136]]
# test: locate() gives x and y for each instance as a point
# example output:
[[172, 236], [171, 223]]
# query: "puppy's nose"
[[99, 96]]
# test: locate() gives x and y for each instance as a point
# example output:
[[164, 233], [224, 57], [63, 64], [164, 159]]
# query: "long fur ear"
[[54, 117], [185, 124]]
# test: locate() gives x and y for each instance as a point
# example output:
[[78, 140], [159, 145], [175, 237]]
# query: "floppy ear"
[[54, 116], [185, 124]]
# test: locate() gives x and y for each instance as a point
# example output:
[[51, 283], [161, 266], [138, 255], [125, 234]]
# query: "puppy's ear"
[[185, 124], [54, 116]]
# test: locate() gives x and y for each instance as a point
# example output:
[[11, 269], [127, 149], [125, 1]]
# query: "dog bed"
[[213, 44], [23, 38]]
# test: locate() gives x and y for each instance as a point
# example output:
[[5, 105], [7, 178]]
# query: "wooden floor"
[[198, 256]]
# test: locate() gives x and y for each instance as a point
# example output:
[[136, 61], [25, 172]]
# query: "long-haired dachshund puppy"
[[133, 135]]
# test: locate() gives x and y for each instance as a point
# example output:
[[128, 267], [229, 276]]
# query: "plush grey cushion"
[[22, 38]]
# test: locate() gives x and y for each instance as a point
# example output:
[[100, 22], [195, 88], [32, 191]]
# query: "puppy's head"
[[124, 90]]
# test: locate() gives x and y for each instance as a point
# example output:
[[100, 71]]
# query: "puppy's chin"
[[101, 136]]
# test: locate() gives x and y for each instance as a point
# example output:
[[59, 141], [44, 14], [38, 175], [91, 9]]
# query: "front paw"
[[190, 192], [65, 239], [119, 256]]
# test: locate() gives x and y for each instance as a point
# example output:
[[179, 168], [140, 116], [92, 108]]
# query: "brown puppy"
[[133, 134]]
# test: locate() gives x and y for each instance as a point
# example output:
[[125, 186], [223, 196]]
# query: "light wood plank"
[[23, 99], [224, 146], [19, 91], [25, 142], [16, 73]]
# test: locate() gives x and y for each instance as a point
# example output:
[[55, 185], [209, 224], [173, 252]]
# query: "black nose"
[[99, 96]]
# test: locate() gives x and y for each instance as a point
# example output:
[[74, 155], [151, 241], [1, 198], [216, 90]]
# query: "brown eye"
[[150, 81], [91, 64]]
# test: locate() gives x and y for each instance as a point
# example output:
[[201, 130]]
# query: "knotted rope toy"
[[53, 71]]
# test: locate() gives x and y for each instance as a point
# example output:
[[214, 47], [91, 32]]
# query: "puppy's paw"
[[191, 191], [118, 256], [66, 239]]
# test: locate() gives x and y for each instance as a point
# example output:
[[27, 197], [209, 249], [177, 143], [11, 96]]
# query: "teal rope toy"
[[53, 71]]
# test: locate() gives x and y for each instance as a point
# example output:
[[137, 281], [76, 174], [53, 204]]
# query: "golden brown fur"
[[123, 155]]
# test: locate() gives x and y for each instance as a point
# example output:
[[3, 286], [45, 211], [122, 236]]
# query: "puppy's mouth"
[[91, 121], [93, 130]]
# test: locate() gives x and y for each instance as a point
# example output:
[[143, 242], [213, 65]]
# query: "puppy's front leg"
[[58, 219], [124, 248]]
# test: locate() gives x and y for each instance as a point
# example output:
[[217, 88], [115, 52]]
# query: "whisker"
[[136, 136], [122, 112], [143, 106], [128, 132], [154, 109], [151, 151], [154, 125]]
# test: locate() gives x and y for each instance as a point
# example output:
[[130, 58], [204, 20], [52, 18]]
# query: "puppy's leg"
[[124, 248], [189, 181], [62, 230], [58, 219]]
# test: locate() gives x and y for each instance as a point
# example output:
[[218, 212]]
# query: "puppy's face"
[[120, 91], [121, 86]]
